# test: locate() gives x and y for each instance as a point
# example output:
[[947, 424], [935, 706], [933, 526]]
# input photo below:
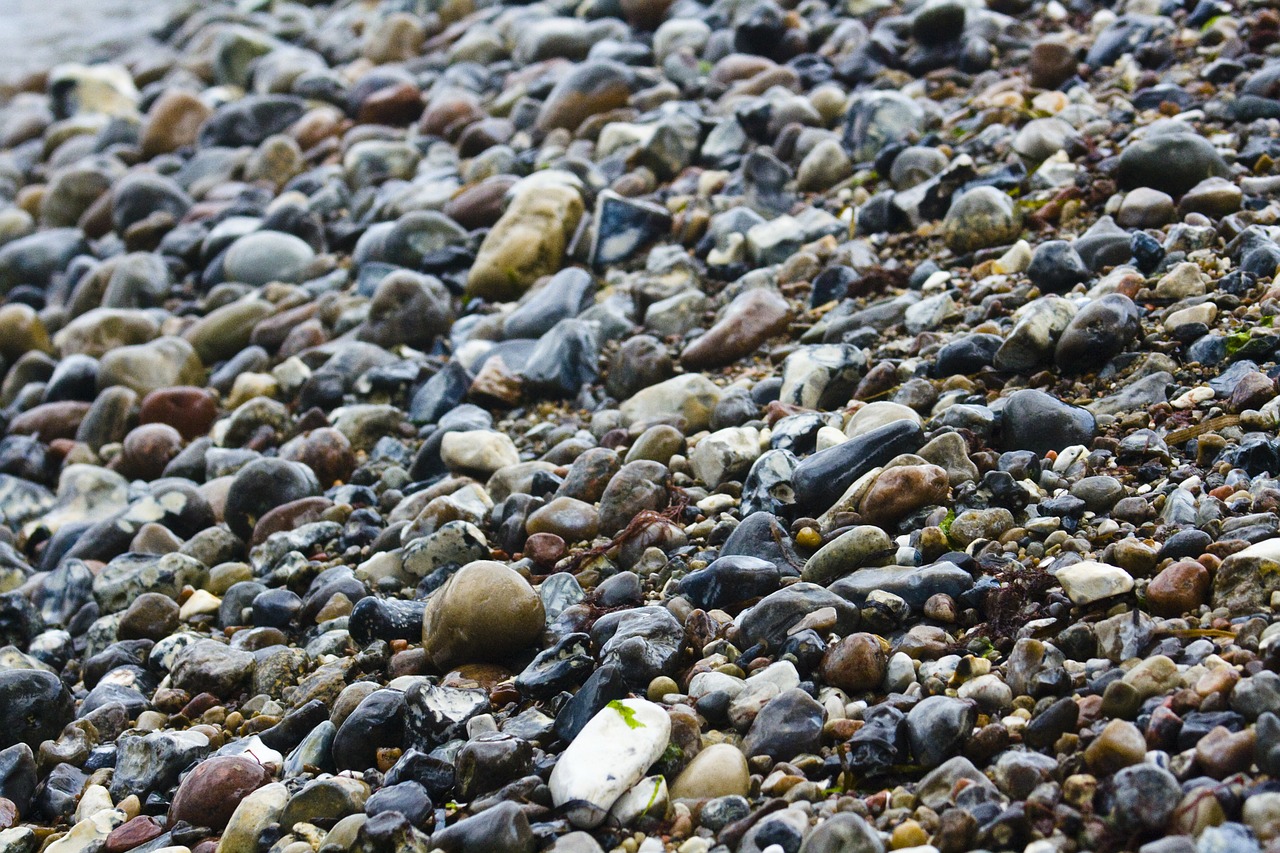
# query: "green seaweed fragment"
[[627, 714]]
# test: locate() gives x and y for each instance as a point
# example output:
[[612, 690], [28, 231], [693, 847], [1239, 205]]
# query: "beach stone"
[[483, 612], [856, 664], [1145, 797], [1089, 581], [143, 368], [981, 217], [35, 707], [482, 451], [172, 122], [263, 485], [590, 88], [407, 308], [266, 256], [253, 814], [725, 454], [609, 755], [1036, 421], [864, 545], [790, 724], [211, 793], [901, 490], [1179, 588], [821, 479], [720, 770], [691, 397], [503, 829], [1170, 162], [747, 322], [208, 666], [1099, 331], [527, 242]]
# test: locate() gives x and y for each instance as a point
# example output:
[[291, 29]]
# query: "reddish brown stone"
[[8, 813], [479, 206], [1179, 588], [146, 451], [392, 105], [749, 321], [544, 549], [211, 792], [288, 516], [449, 113], [325, 451], [856, 664], [131, 834], [303, 337], [484, 134], [186, 408], [903, 489], [51, 420]]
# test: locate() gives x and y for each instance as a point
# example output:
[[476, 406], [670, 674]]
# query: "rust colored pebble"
[[288, 516], [210, 793], [131, 834], [326, 451], [1179, 588], [189, 410], [544, 548]]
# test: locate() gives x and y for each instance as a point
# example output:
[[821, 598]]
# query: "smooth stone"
[[720, 770], [745, 324], [484, 612], [1089, 581], [822, 478], [1170, 162], [864, 545], [607, 757], [529, 240], [1098, 332], [1036, 421]]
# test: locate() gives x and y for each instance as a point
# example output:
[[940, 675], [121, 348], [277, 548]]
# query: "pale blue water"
[[35, 34]]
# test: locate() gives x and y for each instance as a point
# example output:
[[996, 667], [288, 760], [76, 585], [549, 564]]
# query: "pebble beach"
[[746, 426]]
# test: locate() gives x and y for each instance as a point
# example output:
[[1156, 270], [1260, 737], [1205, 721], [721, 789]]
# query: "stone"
[[790, 724], [864, 545], [212, 792], [1089, 581], [1036, 421], [1170, 162], [484, 612], [745, 324], [528, 241], [35, 707], [609, 755], [720, 770], [979, 218]]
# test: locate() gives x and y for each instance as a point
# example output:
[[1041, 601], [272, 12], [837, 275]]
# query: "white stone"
[[1089, 581], [200, 603], [649, 796], [89, 833], [875, 415], [608, 757], [725, 454], [95, 798], [479, 450], [829, 436]]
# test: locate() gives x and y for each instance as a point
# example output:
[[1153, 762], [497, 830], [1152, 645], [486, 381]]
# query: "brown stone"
[[901, 490], [1222, 752], [739, 66], [856, 664], [211, 792], [1179, 588], [393, 105], [51, 420], [449, 113], [1119, 745], [146, 451], [1051, 63], [1252, 392], [485, 612], [150, 616], [748, 321], [484, 134], [289, 516], [326, 451], [186, 408], [133, 833], [173, 122], [590, 88], [8, 813], [545, 549], [479, 205]]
